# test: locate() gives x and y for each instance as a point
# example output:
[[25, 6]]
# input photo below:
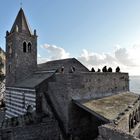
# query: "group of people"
[[105, 69]]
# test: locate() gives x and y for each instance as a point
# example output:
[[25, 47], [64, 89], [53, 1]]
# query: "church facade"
[[82, 104]]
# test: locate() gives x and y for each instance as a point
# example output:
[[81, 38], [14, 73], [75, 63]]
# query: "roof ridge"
[[58, 60]]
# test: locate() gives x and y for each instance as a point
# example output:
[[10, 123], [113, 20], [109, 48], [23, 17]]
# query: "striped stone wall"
[[18, 101]]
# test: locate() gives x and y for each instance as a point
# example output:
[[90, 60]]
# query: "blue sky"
[[97, 32]]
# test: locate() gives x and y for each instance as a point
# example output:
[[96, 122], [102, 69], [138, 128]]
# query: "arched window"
[[135, 119], [24, 47], [9, 68], [10, 49], [130, 123], [29, 47], [139, 114]]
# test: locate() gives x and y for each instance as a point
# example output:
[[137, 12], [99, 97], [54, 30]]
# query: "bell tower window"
[[10, 49], [29, 47], [24, 47], [9, 68]]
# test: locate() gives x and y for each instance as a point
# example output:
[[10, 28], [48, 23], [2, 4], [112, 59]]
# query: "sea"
[[134, 84]]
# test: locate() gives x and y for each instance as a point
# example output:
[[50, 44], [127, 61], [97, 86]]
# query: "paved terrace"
[[108, 108]]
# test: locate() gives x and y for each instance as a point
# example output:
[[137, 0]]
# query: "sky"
[[96, 32]]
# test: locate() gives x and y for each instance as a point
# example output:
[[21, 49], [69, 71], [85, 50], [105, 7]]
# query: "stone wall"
[[82, 124], [42, 131], [136, 132], [97, 85], [58, 94], [110, 133], [124, 122], [66, 87]]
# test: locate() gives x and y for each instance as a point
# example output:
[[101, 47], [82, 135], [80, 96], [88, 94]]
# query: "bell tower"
[[21, 50]]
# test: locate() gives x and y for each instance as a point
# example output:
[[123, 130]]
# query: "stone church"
[[62, 99]]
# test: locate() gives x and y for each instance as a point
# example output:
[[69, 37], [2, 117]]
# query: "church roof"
[[108, 108], [34, 80], [66, 63], [21, 23]]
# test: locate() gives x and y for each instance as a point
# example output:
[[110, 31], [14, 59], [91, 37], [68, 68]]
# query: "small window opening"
[[24, 47], [130, 124], [10, 49], [29, 47], [9, 68]]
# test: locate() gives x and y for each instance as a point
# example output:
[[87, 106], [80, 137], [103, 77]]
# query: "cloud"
[[56, 52], [126, 58], [123, 57], [38, 55], [42, 60], [95, 59]]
